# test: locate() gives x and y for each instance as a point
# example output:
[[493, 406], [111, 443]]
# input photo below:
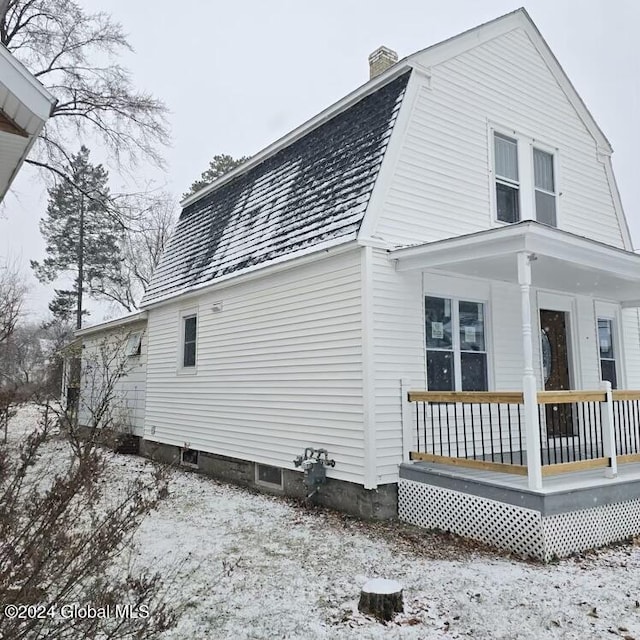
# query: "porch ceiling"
[[562, 261]]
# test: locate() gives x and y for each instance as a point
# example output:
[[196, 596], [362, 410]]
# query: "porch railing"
[[577, 429], [626, 425], [483, 429]]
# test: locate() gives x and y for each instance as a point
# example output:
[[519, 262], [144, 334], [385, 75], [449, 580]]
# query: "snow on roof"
[[314, 190]]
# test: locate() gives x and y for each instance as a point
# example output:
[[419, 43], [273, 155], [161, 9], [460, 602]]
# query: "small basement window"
[[134, 343], [269, 476], [189, 458]]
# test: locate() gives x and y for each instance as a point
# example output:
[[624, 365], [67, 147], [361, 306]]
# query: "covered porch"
[[500, 458]]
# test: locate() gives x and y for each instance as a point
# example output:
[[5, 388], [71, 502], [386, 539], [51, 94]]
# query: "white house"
[[433, 281], [25, 106]]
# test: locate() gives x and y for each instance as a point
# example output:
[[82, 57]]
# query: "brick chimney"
[[380, 60]]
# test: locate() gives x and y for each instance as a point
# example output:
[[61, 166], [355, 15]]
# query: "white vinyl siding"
[[442, 183], [630, 319], [130, 390], [398, 313], [279, 369]]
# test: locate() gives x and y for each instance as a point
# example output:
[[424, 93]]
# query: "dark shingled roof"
[[314, 190]]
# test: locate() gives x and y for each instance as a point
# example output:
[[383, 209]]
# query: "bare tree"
[[151, 220], [13, 290], [65, 521], [74, 54]]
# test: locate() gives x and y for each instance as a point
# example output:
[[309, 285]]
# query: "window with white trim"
[[607, 351], [456, 345], [545, 187], [507, 178], [189, 339], [525, 179]]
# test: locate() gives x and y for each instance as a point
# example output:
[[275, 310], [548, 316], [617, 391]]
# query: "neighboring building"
[[25, 106], [454, 226], [114, 356]]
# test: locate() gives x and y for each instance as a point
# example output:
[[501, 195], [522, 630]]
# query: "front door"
[[555, 366]]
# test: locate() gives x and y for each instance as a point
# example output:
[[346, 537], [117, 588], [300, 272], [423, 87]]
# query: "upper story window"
[[545, 187], [507, 179], [525, 180], [190, 324]]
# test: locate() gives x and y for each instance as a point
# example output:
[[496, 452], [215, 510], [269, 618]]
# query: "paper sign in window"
[[437, 330], [469, 334]]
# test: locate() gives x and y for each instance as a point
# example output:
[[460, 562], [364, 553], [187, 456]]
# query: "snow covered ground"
[[256, 566]]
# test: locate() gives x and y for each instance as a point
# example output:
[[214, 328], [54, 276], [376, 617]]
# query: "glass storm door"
[[555, 367]]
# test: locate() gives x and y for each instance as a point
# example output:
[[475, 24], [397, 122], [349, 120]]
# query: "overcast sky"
[[238, 75]]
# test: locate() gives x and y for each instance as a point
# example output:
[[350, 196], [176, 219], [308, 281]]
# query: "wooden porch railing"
[[577, 429], [626, 421], [474, 429]]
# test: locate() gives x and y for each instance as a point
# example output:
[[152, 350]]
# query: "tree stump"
[[381, 598]]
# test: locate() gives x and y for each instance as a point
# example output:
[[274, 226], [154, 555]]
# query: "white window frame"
[[514, 184], [184, 315], [133, 348], [527, 191], [610, 311], [554, 167], [455, 338]]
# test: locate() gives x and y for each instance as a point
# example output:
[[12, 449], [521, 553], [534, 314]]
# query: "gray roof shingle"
[[314, 190]]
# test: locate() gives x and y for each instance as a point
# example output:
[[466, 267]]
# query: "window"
[[607, 351], [189, 341], [134, 341], [269, 476], [456, 348], [507, 178], [525, 179], [189, 458], [544, 182]]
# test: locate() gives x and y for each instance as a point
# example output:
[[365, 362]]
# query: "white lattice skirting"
[[523, 531]]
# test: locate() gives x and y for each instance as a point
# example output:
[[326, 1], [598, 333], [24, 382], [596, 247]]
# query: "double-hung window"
[[189, 338], [545, 188], [456, 346], [607, 351], [507, 178], [525, 180]]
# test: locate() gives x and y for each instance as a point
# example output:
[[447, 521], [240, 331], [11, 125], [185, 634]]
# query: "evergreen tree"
[[83, 240], [218, 166]]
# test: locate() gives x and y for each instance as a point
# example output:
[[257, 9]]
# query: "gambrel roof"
[[311, 189], [311, 192]]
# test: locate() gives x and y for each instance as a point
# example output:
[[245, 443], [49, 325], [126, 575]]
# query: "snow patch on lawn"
[[255, 566]]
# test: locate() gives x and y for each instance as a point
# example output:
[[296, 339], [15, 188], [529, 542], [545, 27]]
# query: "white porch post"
[[407, 422], [608, 432], [529, 387]]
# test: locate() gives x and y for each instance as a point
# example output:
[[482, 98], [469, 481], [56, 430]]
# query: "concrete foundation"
[[348, 497]]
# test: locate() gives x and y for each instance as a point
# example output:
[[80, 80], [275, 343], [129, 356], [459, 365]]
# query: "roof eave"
[[108, 325], [286, 261]]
